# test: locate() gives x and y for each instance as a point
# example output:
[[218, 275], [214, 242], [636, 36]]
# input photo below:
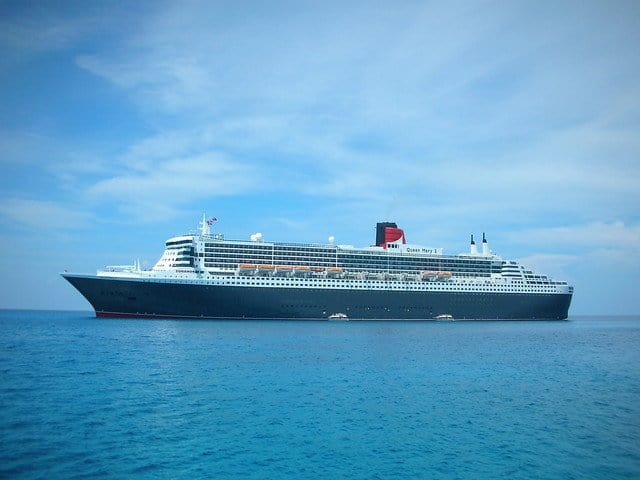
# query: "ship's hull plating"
[[112, 297]]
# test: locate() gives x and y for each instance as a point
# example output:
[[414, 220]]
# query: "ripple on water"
[[82, 397]]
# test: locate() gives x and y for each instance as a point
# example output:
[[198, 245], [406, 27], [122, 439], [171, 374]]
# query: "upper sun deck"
[[391, 245], [413, 250]]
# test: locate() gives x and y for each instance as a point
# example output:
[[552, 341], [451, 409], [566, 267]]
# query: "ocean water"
[[82, 397]]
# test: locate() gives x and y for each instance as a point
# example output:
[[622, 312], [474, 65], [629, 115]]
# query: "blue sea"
[[82, 397]]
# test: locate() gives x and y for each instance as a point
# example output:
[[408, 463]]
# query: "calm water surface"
[[84, 397]]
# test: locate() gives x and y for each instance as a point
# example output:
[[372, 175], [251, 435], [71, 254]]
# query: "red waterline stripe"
[[102, 314]]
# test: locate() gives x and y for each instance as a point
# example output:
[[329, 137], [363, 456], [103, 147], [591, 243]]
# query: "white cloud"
[[28, 30], [589, 248], [437, 104], [42, 215], [156, 190], [18, 148], [552, 264], [594, 255], [614, 235], [444, 104], [34, 33]]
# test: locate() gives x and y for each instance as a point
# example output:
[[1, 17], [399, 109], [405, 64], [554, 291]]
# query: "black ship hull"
[[115, 297]]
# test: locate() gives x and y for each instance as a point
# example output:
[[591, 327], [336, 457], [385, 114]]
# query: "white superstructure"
[[204, 258]]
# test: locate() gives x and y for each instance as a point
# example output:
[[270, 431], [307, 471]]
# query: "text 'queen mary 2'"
[[202, 275]]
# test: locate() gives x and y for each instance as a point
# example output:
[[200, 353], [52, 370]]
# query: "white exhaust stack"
[[485, 246], [474, 249]]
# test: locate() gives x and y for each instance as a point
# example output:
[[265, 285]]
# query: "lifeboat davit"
[[266, 270], [247, 269], [301, 271], [317, 271], [283, 270], [334, 272]]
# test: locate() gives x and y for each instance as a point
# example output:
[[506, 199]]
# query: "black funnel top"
[[380, 228]]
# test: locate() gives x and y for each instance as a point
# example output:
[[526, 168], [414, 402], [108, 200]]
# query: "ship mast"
[[204, 226]]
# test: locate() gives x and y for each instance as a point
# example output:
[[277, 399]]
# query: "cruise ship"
[[204, 275]]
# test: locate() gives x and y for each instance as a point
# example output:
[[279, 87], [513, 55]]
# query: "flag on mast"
[[211, 220]]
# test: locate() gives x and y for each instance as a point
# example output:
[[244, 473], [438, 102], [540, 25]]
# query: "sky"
[[123, 122]]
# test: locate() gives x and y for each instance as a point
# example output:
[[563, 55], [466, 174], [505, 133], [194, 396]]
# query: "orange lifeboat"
[[430, 276], [444, 276]]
